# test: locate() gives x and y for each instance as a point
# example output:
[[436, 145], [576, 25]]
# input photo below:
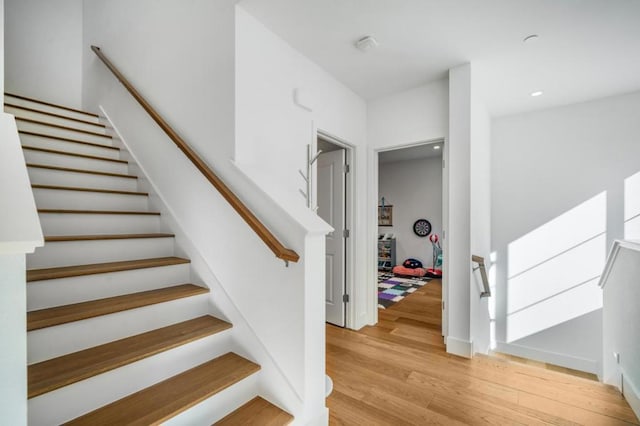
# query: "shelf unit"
[[386, 254]]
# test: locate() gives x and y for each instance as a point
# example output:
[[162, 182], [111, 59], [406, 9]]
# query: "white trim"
[[372, 228], [613, 254], [631, 393], [19, 247], [21, 231], [410, 145], [463, 348], [562, 360]]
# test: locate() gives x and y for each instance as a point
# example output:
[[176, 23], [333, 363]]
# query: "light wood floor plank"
[[398, 372]]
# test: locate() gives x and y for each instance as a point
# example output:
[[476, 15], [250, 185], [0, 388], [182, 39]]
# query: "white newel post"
[[20, 233]]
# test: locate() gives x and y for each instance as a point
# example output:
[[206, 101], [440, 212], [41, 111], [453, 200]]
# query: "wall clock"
[[422, 227]]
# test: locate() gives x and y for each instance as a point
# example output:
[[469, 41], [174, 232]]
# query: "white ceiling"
[[586, 49], [411, 153]]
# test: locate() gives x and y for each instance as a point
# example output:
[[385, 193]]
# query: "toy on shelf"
[[435, 271]]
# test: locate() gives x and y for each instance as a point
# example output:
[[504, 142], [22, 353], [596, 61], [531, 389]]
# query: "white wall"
[[2, 50], [558, 184], [457, 250], [43, 50], [194, 89], [621, 293], [181, 58], [415, 115], [13, 357], [414, 188], [480, 212], [20, 233], [272, 131]]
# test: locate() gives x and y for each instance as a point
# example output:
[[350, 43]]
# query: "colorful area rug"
[[392, 289]]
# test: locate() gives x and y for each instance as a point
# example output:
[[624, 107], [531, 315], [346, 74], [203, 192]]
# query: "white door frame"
[[373, 253], [350, 195]]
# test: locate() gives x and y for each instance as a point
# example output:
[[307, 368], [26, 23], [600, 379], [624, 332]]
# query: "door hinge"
[[443, 305], [443, 165], [345, 298], [345, 233], [346, 168]]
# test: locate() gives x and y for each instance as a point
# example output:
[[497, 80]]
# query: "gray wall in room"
[[414, 188]]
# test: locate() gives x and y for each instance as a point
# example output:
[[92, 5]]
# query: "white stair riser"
[[63, 339], [68, 253], [63, 133], [61, 160], [63, 178], [46, 108], [60, 145], [71, 401], [85, 200], [89, 224], [219, 405], [64, 291], [46, 118]]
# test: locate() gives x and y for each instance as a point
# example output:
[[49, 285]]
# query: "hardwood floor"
[[398, 373]]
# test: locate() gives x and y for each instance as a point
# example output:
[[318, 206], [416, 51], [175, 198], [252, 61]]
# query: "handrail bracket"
[[483, 273]]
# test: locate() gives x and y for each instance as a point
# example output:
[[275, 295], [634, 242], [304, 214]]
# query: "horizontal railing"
[[258, 227], [483, 273]]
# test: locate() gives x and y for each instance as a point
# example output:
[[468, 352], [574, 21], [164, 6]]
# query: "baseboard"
[[562, 360], [631, 394], [463, 348]]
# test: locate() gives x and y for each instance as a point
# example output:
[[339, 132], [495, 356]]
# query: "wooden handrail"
[[269, 239]]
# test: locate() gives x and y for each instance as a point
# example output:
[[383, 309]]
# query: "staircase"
[[118, 333]]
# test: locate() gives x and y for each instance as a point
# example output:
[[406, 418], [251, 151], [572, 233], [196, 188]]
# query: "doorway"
[[333, 201], [412, 214]]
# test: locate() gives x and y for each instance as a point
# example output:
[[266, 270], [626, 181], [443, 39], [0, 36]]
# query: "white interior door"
[[331, 208]]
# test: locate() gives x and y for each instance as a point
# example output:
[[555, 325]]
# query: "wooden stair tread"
[[55, 373], [68, 169], [257, 412], [78, 311], [42, 135], [64, 211], [58, 126], [25, 98], [170, 397], [51, 114], [74, 188], [101, 268], [58, 238], [73, 154]]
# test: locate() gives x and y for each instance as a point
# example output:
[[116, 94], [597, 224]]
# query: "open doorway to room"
[[334, 201], [411, 217]]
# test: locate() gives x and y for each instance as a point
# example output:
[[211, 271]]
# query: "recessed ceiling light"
[[366, 43], [436, 147], [530, 38], [536, 93]]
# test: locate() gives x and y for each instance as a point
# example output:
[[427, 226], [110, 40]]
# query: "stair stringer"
[[272, 383]]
